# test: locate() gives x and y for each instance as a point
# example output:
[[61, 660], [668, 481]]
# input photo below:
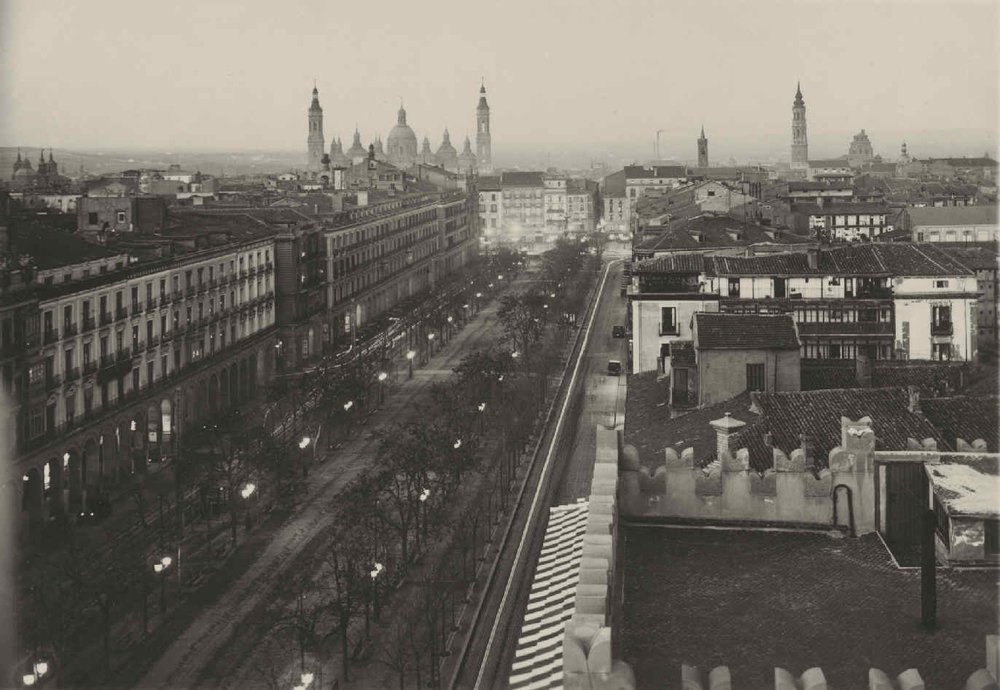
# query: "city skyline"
[[914, 86]]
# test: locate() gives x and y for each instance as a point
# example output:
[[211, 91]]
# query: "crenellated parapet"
[[797, 489]]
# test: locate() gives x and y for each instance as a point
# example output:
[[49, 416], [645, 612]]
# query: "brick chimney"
[[812, 256], [808, 448], [863, 369], [914, 405], [724, 430]]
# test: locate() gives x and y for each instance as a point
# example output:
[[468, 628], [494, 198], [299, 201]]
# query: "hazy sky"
[[221, 75]]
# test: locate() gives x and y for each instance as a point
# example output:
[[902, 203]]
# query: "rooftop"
[[968, 485], [706, 230], [720, 331], [965, 417], [953, 215], [829, 163], [634, 172], [842, 208], [754, 600], [522, 179]]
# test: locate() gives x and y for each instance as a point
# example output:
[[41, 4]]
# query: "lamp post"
[[373, 574], [409, 360], [421, 515], [347, 415], [381, 387], [160, 568], [451, 321], [246, 492], [430, 345], [482, 410], [303, 444]]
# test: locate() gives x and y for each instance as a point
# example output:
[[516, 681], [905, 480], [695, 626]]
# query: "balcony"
[[89, 367], [178, 294], [52, 382], [69, 329], [124, 354], [121, 313], [942, 328], [151, 304], [166, 298], [107, 360], [89, 323], [135, 309], [252, 271], [668, 330], [72, 374], [49, 336], [847, 328], [190, 291], [872, 293], [166, 336], [202, 287]]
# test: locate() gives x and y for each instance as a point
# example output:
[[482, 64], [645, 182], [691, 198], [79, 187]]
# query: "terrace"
[[754, 600]]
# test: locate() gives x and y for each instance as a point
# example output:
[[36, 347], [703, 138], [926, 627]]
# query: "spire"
[[19, 153], [401, 115], [482, 87], [41, 156], [703, 131], [798, 89]]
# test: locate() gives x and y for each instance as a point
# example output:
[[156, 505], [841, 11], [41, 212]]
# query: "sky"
[[237, 76]]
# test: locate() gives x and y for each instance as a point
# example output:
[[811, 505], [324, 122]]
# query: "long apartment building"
[[102, 370], [339, 274], [890, 301]]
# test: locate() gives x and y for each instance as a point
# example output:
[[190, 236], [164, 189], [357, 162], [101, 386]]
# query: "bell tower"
[[702, 149], [315, 141], [484, 154], [800, 143]]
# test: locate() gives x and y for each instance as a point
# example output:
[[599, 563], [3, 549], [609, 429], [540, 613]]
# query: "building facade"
[[889, 301], [960, 224], [115, 365], [641, 179]]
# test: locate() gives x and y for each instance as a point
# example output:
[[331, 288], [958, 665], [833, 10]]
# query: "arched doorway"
[[213, 394], [32, 497], [53, 485], [224, 397], [73, 466]]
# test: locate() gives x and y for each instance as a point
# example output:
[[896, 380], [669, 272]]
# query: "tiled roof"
[[522, 179], [539, 652], [841, 209], [635, 172], [965, 488], [976, 258], [954, 215], [829, 163], [718, 331], [672, 263], [811, 186], [817, 414], [715, 231], [488, 183], [964, 162], [886, 259], [965, 417]]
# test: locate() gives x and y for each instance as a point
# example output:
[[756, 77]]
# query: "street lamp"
[[304, 442], [305, 680], [457, 444], [515, 354], [409, 358], [38, 671], [381, 387], [160, 568]]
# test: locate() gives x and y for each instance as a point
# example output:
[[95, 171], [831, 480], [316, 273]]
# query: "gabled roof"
[[829, 163], [719, 331], [522, 179], [964, 162], [636, 172], [812, 186], [672, 263], [841, 209], [965, 417], [975, 258], [882, 259], [953, 215], [788, 415], [614, 184]]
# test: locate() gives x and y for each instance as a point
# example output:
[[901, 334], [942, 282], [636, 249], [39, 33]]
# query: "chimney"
[[812, 256], [724, 430], [808, 449], [914, 405]]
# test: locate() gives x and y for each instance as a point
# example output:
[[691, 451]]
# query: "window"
[[121, 216], [940, 283], [755, 377], [92, 218], [668, 321], [734, 287], [990, 534], [942, 352]]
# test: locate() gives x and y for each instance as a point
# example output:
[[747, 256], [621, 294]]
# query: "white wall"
[[646, 338]]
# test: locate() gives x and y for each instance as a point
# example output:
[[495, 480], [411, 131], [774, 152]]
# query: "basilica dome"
[[402, 142]]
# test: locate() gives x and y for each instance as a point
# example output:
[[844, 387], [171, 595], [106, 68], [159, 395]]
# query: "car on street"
[[618, 331], [614, 367]]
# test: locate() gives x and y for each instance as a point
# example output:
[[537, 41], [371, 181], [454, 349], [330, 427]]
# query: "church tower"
[[800, 144], [702, 149], [315, 141], [484, 154]]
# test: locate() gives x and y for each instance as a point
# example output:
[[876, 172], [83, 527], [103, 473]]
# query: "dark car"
[[618, 331], [614, 367]]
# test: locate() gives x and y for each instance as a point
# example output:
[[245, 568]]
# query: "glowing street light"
[[500, 276], [38, 671], [424, 495], [409, 358], [348, 405], [376, 570], [457, 444], [304, 442], [382, 376], [247, 491], [478, 295], [515, 354], [481, 407], [159, 569]]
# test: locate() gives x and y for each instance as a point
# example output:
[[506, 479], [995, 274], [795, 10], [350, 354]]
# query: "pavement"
[[193, 659]]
